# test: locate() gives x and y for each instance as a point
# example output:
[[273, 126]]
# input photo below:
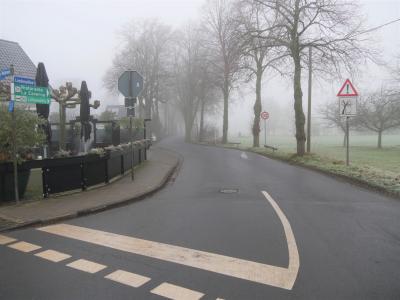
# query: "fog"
[[78, 39]]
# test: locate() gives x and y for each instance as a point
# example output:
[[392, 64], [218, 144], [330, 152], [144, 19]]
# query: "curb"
[[97, 209]]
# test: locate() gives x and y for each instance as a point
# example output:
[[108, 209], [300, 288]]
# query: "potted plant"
[[28, 135]]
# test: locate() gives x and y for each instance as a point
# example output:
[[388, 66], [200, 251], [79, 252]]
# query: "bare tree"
[[225, 49], [380, 111], [330, 113], [145, 49], [208, 101], [188, 75], [259, 54], [334, 31]]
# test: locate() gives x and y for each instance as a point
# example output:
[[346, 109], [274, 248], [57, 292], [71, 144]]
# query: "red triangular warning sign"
[[347, 90]]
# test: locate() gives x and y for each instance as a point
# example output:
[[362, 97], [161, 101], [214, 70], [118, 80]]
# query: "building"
[[11, 53]]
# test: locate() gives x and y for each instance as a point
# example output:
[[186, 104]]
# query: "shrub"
[[28, 134]]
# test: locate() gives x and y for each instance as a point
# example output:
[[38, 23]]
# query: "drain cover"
[[229, 191]]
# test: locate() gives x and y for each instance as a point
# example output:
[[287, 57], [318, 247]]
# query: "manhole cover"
[[229, 191]]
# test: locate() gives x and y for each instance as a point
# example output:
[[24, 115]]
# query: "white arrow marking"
[[244, 155]]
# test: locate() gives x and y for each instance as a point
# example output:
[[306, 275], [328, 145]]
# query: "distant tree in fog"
[[108, 115], [379, 112], [145, 49], [223, 41], [189, 76], [330, 113]]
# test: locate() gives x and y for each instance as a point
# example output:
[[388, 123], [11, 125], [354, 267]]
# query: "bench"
[[271, 147]]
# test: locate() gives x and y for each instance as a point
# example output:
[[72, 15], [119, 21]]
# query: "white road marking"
[[244, 155], [294, 260], [24, 247], [86, 266], [257, 272], [6, 240], [128, 278], [175, 292], [53, 255]]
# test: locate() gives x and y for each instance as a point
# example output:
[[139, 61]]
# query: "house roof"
[[11, 53]]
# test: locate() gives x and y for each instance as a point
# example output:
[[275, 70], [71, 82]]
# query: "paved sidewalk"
[[149, 177]]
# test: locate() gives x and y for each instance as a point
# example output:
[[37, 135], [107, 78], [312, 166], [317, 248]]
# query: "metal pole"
[[265, 131], [144, 137], [347, 142], [309, 99], [15, 165], [130, 134], [14, 139]]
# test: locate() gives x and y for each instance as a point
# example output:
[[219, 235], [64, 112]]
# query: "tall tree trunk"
[[188, 129], [166, 119], [257, 109], [156, 110], [225, 117], [380, 139], [201, 134], [298, 108], [147, 115], [157, 126]]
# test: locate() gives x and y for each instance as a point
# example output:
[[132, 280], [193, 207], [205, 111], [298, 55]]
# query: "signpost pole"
[[347, 96], [131, 141], [15, 164], [347, 142], [14, 140], [265, 131], [130, 84], [130, 128]]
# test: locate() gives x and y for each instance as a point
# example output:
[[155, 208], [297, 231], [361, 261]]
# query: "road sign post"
[[265, 131], [130, 84], [265, 116], [347, 142], [347, 96], [14, 138]]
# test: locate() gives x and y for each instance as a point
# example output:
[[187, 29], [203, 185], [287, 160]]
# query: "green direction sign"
[[31, 94]]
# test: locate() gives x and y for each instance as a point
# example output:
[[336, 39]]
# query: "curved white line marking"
[[280, 277], [294, 262]]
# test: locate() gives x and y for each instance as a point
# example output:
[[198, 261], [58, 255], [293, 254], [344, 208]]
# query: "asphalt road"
[[347, 238]]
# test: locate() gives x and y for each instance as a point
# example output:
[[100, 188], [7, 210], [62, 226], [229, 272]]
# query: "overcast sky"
[[77, 39]]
